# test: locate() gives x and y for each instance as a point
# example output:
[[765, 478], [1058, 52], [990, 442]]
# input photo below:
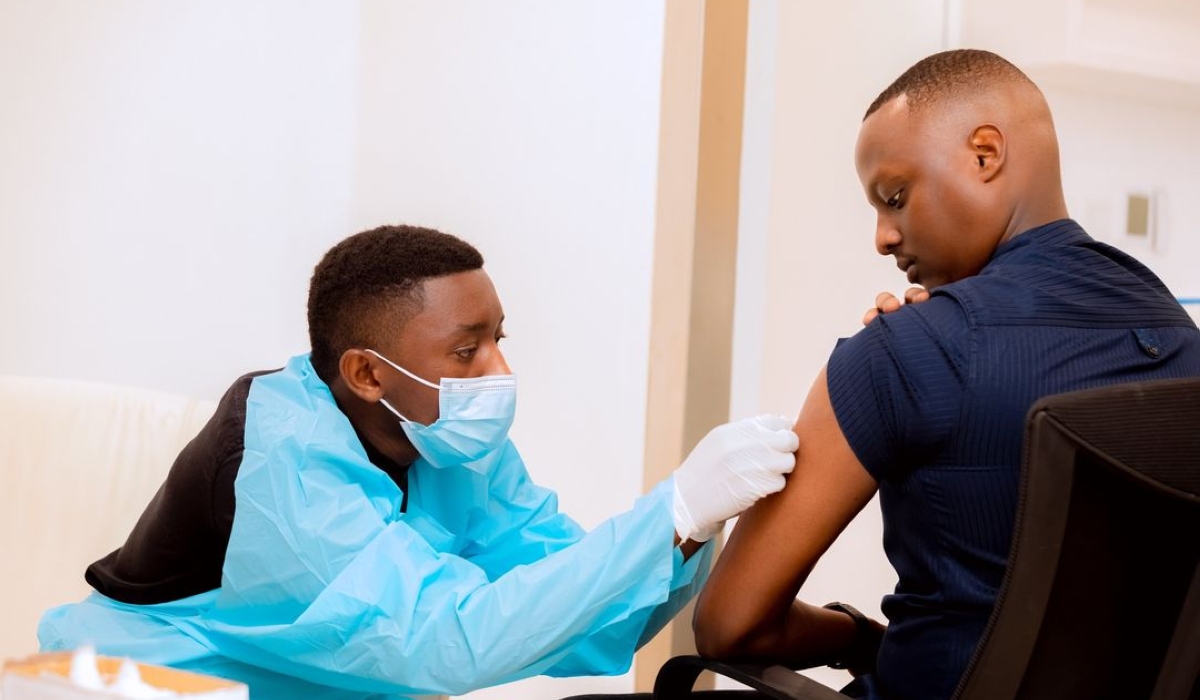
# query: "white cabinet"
[[1142, 49]]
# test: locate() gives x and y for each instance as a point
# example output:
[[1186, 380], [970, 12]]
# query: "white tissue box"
[[46, 677]]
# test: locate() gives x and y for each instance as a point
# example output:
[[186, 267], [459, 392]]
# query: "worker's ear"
[[358, 370], [989, 150]]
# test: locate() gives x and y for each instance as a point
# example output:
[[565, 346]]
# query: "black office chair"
[[1101, 598]]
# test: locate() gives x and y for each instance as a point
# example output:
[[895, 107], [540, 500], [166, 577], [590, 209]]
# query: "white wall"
[[168, 173], [1112, 147], [171, 172]]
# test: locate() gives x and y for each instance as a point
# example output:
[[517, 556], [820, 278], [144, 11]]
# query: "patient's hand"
[[869, 650], [887, 302]]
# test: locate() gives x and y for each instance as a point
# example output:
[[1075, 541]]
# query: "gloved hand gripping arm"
[[728, 471]]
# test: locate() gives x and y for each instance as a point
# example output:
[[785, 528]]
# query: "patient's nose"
[[887, 236]]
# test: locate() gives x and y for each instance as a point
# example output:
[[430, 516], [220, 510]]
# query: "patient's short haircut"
[[949, 75], [366, 287]]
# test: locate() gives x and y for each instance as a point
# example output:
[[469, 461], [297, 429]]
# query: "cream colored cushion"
[[80, 461]]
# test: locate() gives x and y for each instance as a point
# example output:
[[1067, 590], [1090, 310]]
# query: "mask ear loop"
[[389, 407], [403, 371], [406, 373]]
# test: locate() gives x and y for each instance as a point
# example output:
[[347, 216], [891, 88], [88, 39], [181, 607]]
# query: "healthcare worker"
[[358, 524]]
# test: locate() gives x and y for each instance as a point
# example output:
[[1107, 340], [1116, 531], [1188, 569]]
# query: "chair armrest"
[[677, 676]]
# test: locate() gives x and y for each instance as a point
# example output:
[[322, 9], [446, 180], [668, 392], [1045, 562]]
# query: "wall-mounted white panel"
[[1136, 49]]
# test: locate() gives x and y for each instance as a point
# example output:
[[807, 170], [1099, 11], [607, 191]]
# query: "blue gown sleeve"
[[610, 650], [325, 580], [533, 528]]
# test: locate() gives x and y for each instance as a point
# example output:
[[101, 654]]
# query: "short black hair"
[[948, 75], [370, 274]]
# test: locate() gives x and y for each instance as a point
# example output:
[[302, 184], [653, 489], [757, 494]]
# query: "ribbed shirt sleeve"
[[897, 386]]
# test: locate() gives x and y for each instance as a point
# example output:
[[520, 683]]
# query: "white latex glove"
[[729, 469]]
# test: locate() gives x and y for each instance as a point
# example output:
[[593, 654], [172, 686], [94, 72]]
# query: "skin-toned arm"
[[748, 608]]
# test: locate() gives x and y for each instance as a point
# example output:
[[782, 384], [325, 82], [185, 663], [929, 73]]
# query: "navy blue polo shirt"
[[933, 400]]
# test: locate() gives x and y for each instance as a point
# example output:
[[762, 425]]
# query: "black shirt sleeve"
[[177, 548]]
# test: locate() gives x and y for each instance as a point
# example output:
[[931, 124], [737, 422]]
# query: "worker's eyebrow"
[[476, 327]]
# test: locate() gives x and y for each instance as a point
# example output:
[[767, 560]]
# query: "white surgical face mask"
[[474, 416]]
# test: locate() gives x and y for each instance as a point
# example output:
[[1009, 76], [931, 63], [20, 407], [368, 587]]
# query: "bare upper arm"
[[778, 541]]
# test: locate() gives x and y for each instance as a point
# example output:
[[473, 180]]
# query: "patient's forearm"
[[806, 635], [816, 635]]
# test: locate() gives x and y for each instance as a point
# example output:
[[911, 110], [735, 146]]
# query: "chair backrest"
[[1101, 598], [80, 461]]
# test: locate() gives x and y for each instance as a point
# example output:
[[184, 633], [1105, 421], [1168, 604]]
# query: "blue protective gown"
[[329, 590]]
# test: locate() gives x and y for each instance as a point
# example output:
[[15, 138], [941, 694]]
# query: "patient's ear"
[[357, 370], [989, 150]]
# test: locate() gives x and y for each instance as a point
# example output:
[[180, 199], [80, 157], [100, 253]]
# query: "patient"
[[926, 405]]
